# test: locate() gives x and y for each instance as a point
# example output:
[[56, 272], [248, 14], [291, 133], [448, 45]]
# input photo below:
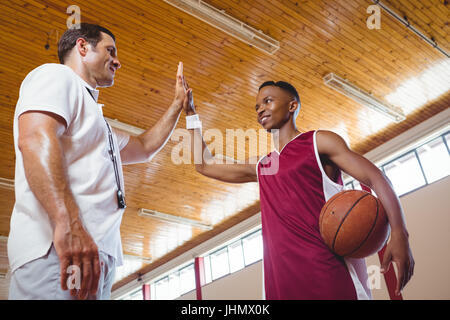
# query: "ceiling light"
[[7, 183], [174, 219], [404, 20], [222, 21], [350, 90]]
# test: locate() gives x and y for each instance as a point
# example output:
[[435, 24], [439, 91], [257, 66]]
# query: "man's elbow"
[[22, 144], [149, 156], [28, 143], [145, 150]]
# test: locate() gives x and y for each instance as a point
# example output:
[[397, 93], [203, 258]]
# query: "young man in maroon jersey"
[[297, 263]]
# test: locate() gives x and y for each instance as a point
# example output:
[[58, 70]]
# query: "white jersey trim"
[[356, 267]]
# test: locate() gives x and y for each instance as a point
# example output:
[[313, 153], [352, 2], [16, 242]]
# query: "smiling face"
[[102, 62], [274, 107]]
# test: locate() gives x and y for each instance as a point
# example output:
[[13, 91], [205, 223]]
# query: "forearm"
[[47, 177], [206, 164], [155, 138], [398, 249], [391, 203], [199, 150]]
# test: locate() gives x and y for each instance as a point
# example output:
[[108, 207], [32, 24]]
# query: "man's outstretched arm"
[[207, 165]]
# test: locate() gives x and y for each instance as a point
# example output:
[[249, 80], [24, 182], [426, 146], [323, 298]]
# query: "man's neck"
[[82, 73], [286, 133]]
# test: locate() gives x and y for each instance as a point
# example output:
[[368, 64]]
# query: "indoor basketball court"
[[225, 150]]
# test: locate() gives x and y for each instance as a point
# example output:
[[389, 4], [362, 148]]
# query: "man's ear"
[[82, 46], [293, 106]]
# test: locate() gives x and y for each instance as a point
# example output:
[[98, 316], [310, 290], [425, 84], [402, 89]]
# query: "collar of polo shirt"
[[93, 91]]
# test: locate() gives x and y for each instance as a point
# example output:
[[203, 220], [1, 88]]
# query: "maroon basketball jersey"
[[297, 263]]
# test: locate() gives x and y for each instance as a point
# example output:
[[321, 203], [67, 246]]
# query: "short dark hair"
[[90, 32], [286, 86]]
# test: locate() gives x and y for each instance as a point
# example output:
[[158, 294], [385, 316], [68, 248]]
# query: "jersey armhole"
[[257, 165], [319, 163]]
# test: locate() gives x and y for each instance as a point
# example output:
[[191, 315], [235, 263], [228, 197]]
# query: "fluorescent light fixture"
[[226, 23], [350, 90], [7, 183], [174, 219], [135, 131]]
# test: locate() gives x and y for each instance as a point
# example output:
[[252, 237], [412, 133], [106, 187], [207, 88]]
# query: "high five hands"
[[183, 94]]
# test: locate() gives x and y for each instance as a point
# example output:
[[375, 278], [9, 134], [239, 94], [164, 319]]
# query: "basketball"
[[354, 224]]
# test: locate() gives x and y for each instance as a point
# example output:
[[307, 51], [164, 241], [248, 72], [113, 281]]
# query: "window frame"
[[413, 150]]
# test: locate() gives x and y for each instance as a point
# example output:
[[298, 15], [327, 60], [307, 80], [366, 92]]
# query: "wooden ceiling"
[[316, 37]]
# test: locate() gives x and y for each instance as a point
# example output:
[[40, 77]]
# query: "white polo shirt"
[[58, 89]]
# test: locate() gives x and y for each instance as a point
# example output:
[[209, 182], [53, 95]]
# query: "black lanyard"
[[112, 153]]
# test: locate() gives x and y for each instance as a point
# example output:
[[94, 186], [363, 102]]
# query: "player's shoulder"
[[327, 135], [328, 141], [51, 72]]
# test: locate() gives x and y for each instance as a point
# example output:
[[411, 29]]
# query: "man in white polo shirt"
[[64, 240]]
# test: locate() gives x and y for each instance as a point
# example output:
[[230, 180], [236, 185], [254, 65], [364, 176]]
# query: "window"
[[174, 286], [405, 173], [230, 257], [434, 159], [219, 263], [207, 264], [418, 167], [447, 141], [356, 185], [135, 295], [353, 185], [236, 256], [162, 289], [253, 247], [233, 257], [187, 279]]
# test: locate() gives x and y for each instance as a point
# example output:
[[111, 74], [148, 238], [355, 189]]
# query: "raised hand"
[[188, 102], [180, 86]]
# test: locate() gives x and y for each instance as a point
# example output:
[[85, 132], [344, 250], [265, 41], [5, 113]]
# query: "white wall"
[[427, 213], [245, 284], [191, 295]]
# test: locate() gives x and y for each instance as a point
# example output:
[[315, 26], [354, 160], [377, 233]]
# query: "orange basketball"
[[354, 224]]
